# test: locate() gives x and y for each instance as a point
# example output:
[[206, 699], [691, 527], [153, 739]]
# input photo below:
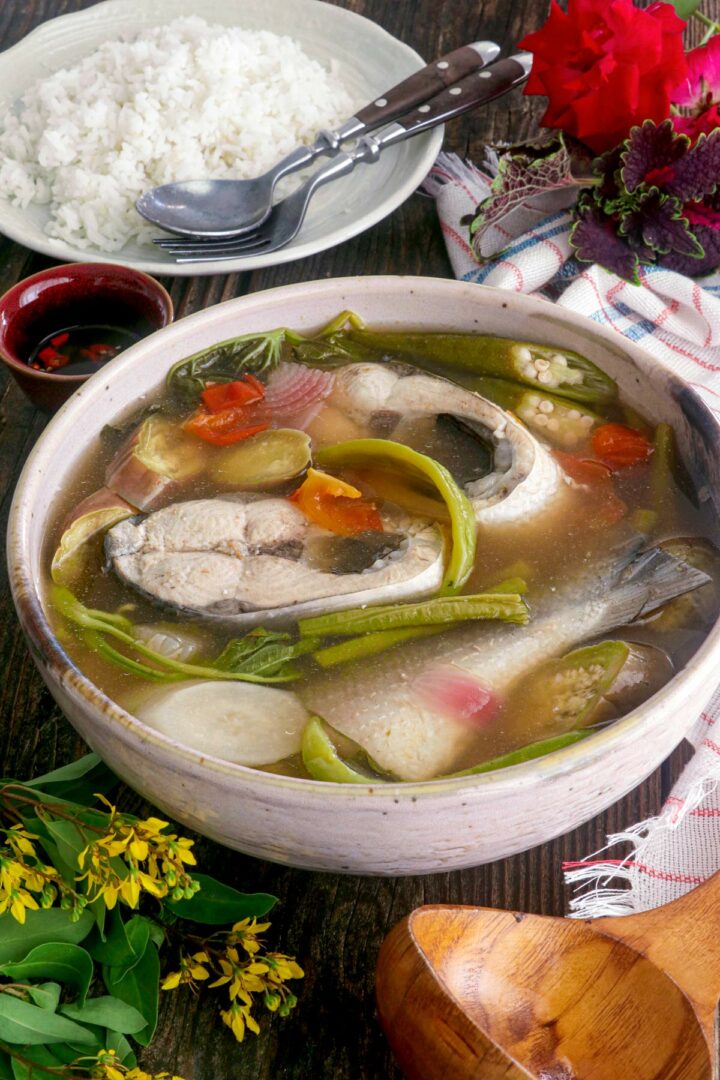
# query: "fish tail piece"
[[651, 579]]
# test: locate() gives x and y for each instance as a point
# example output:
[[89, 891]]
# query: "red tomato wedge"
[[217, 397], [335, 505], [619, 446], [608, 506], [227, 427], [582, 470]]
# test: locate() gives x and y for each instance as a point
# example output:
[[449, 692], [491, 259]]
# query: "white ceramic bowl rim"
[[590, 751]]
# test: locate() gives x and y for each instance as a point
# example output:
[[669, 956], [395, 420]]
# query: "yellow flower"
[[106, 1066], [192, 970], [235, 1018], [171, 981], [20, 840]]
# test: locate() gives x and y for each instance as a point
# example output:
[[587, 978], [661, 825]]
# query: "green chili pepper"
[[322, 761], [442, 611], [359, 453], [525, 753], [558, 370]]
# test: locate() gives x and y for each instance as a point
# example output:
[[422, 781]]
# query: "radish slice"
[[295, 394], [457, 695], [241, 722]]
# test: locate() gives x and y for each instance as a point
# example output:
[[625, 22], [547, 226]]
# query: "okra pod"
[[565, 373], [563, 423]]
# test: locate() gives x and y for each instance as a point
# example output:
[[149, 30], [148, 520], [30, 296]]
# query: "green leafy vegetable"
[[365, 453], [228, 360], [79, 782], [108, 1012], [261, 656], [138, 987]]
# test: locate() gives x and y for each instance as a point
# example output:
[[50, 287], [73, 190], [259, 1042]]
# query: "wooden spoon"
[[466, 992]]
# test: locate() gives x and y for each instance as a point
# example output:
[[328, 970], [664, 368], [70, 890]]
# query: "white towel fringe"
[[608, 885], [452, 169]]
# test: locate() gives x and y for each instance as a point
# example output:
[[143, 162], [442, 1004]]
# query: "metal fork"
[[287, 217]]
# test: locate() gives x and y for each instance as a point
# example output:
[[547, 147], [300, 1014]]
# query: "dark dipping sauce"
[[81, 349]]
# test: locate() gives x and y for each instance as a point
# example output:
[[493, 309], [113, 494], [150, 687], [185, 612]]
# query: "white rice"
[[184, 101]]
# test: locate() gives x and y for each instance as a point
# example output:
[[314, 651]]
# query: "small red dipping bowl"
[[75, 294]]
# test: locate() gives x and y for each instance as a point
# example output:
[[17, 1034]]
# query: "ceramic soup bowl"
[[391, 828]]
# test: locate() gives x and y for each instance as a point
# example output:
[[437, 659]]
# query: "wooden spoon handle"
[[682, 938]]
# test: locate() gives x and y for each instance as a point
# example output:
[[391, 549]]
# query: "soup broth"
[[382, 556]]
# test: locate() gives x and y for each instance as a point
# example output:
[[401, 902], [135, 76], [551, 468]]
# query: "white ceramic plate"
[[370, 61]]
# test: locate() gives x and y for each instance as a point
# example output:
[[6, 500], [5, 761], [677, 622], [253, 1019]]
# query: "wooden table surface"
[[333, 924]]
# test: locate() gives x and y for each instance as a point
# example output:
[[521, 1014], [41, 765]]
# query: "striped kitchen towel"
[[677, 319]]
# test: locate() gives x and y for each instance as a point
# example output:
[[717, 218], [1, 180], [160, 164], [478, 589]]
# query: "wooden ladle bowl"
[[466, 992]]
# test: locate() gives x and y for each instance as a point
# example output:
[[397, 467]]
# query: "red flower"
[[699, 124], [606, 66], [701, 86]]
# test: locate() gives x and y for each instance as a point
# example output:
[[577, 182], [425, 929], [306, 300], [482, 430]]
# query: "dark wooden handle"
[[476, 89], [425, 83]]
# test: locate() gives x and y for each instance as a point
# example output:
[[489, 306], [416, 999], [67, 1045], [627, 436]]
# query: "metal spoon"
[[467, 992], [228, 207], [287, 217]]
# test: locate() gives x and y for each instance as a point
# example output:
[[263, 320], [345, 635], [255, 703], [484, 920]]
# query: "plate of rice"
[[100, 105]]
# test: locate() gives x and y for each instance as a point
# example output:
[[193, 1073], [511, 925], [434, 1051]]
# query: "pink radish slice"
[[295, 394], [457, 695]]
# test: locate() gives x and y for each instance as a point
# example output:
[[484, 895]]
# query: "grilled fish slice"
[[247, 560], [524, 478]]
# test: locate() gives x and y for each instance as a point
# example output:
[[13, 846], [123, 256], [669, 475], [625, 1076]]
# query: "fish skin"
[[374, 704], [526, 486], [239, 560]]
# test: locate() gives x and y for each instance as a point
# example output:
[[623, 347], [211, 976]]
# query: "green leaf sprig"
[[89, 900]]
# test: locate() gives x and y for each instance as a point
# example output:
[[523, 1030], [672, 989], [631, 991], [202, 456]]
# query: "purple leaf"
[[697, 174], [658, 222], [539, 180], [710, 240], [595, 239], [651, 152]]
